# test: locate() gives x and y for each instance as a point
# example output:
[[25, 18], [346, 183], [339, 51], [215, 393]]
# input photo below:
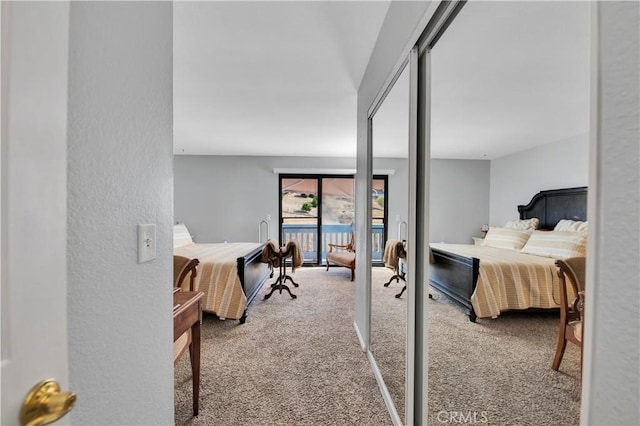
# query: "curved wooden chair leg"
[[571, 272], [288, 277], [395, 277], [279, 283], [274, 286], [279, 287], [293, 296], [276, 282], [562, 345]]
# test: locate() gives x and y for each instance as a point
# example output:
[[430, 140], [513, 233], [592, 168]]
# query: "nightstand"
[[478, 240]]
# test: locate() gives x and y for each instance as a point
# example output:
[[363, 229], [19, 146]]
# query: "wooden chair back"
[[183, 266], [572, 275]]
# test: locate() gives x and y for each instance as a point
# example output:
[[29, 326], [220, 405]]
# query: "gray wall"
[[120, 175], [516, 178], [458, 200], [248, 189], [226, 197], [397, 199]]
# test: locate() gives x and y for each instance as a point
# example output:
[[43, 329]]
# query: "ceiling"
[[281, 78], [270, 78]]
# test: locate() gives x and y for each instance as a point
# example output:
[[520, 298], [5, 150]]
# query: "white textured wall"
[[611, 388], [120, 175], [518, 177], [458, 200]]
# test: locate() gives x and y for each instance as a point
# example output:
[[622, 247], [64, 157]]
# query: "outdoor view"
[[302, 200], [377, 218], [377, 208], [299, 200]]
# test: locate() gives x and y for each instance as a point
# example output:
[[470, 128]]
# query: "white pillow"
[[524, 224], [557, 244], [571, 225], [506, 238], [181, 236]]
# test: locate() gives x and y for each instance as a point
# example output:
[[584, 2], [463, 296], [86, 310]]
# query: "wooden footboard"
[[456, 276], [253, 273]]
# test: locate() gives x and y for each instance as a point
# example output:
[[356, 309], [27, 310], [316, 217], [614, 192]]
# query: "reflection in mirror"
[[509, 117], [389, 313]]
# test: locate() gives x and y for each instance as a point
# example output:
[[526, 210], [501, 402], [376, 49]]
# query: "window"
[[317, 210]]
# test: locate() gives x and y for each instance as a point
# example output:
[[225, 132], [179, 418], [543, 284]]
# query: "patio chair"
[[343, 255]]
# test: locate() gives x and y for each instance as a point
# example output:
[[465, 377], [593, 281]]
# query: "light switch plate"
[[146, 242]]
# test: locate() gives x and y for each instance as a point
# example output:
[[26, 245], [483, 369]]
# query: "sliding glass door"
[[299, 213], [337, 211], [317, 210], [379, 209]]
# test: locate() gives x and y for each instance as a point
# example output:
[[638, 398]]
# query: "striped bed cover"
[[218, 276], [509, 279]]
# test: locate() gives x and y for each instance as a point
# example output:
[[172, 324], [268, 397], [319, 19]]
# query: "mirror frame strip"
[[410, 366], [419, 185], [416, 405]]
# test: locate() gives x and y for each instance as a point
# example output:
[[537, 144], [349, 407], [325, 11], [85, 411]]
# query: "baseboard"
[[360, 339], [391, 407]]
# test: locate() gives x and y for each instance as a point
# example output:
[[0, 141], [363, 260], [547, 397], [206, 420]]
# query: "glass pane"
[[377, 219], [299, 202], [337, 211]]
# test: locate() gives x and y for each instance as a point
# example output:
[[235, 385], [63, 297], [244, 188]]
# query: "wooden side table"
[[187, 314]]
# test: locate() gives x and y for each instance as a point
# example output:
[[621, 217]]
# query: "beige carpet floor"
[[298, 362], [294, 362], [498, 370]]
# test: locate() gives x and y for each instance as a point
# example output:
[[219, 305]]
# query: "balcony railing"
[[307, 237]]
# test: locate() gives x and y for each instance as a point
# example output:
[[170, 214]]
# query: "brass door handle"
[[45, 404]]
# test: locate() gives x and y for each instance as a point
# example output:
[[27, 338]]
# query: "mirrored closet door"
[[508, 107], [488, 72], [390, 135]]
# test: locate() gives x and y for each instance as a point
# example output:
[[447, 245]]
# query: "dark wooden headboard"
[[556, 204]]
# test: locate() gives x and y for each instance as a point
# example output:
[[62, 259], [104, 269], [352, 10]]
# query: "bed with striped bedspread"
[[218, 275], [508, 279]]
